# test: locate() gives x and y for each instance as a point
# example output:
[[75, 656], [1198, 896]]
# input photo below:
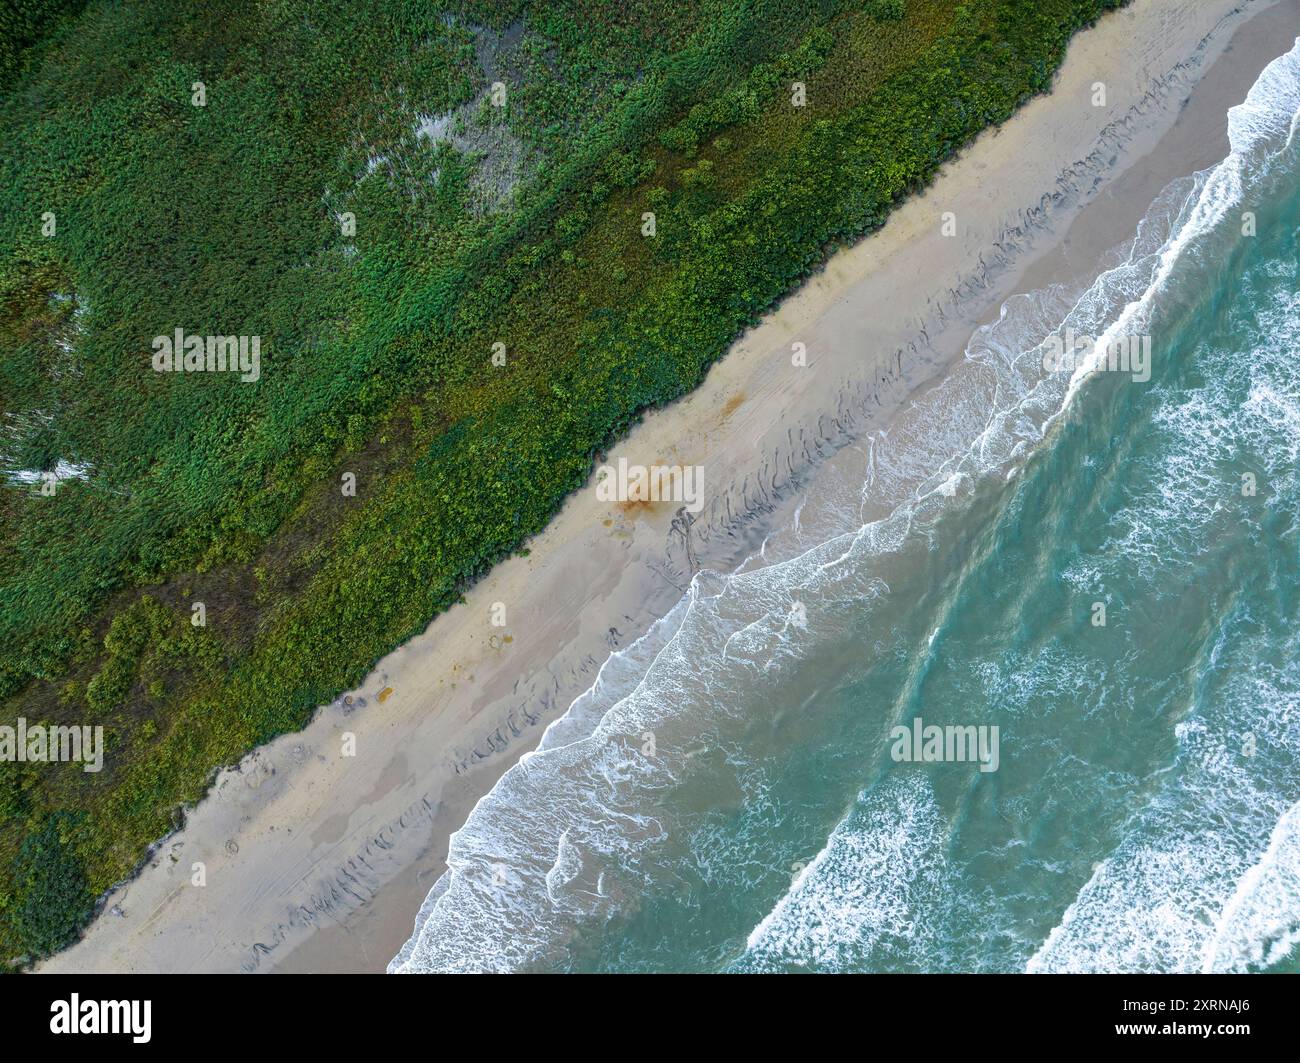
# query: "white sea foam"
[[867, 901], [1260, 924], [1203, 878]]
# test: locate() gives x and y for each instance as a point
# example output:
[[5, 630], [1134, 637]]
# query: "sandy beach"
[[318, 849]]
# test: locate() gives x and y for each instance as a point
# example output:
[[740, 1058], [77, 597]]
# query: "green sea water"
[[1105, 569]]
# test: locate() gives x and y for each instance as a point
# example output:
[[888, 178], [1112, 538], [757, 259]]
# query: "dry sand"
[[317, 861]]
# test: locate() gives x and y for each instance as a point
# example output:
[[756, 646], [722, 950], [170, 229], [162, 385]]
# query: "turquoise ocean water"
[[728, 796]]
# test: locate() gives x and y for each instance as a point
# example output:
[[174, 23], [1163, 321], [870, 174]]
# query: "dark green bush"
[[50, 898]]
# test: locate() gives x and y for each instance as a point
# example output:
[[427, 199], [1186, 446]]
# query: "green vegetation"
[[24, 23], [51, 899], [520, 225]]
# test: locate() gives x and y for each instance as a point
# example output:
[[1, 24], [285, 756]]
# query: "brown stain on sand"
[[732, 405], [635, 507]]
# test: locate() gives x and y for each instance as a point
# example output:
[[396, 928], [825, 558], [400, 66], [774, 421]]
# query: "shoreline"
[[316, 861]]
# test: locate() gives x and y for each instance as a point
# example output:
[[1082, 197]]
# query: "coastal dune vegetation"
[[385, 194]]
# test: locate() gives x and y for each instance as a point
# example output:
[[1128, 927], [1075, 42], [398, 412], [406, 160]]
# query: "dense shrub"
[[50, 899]]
